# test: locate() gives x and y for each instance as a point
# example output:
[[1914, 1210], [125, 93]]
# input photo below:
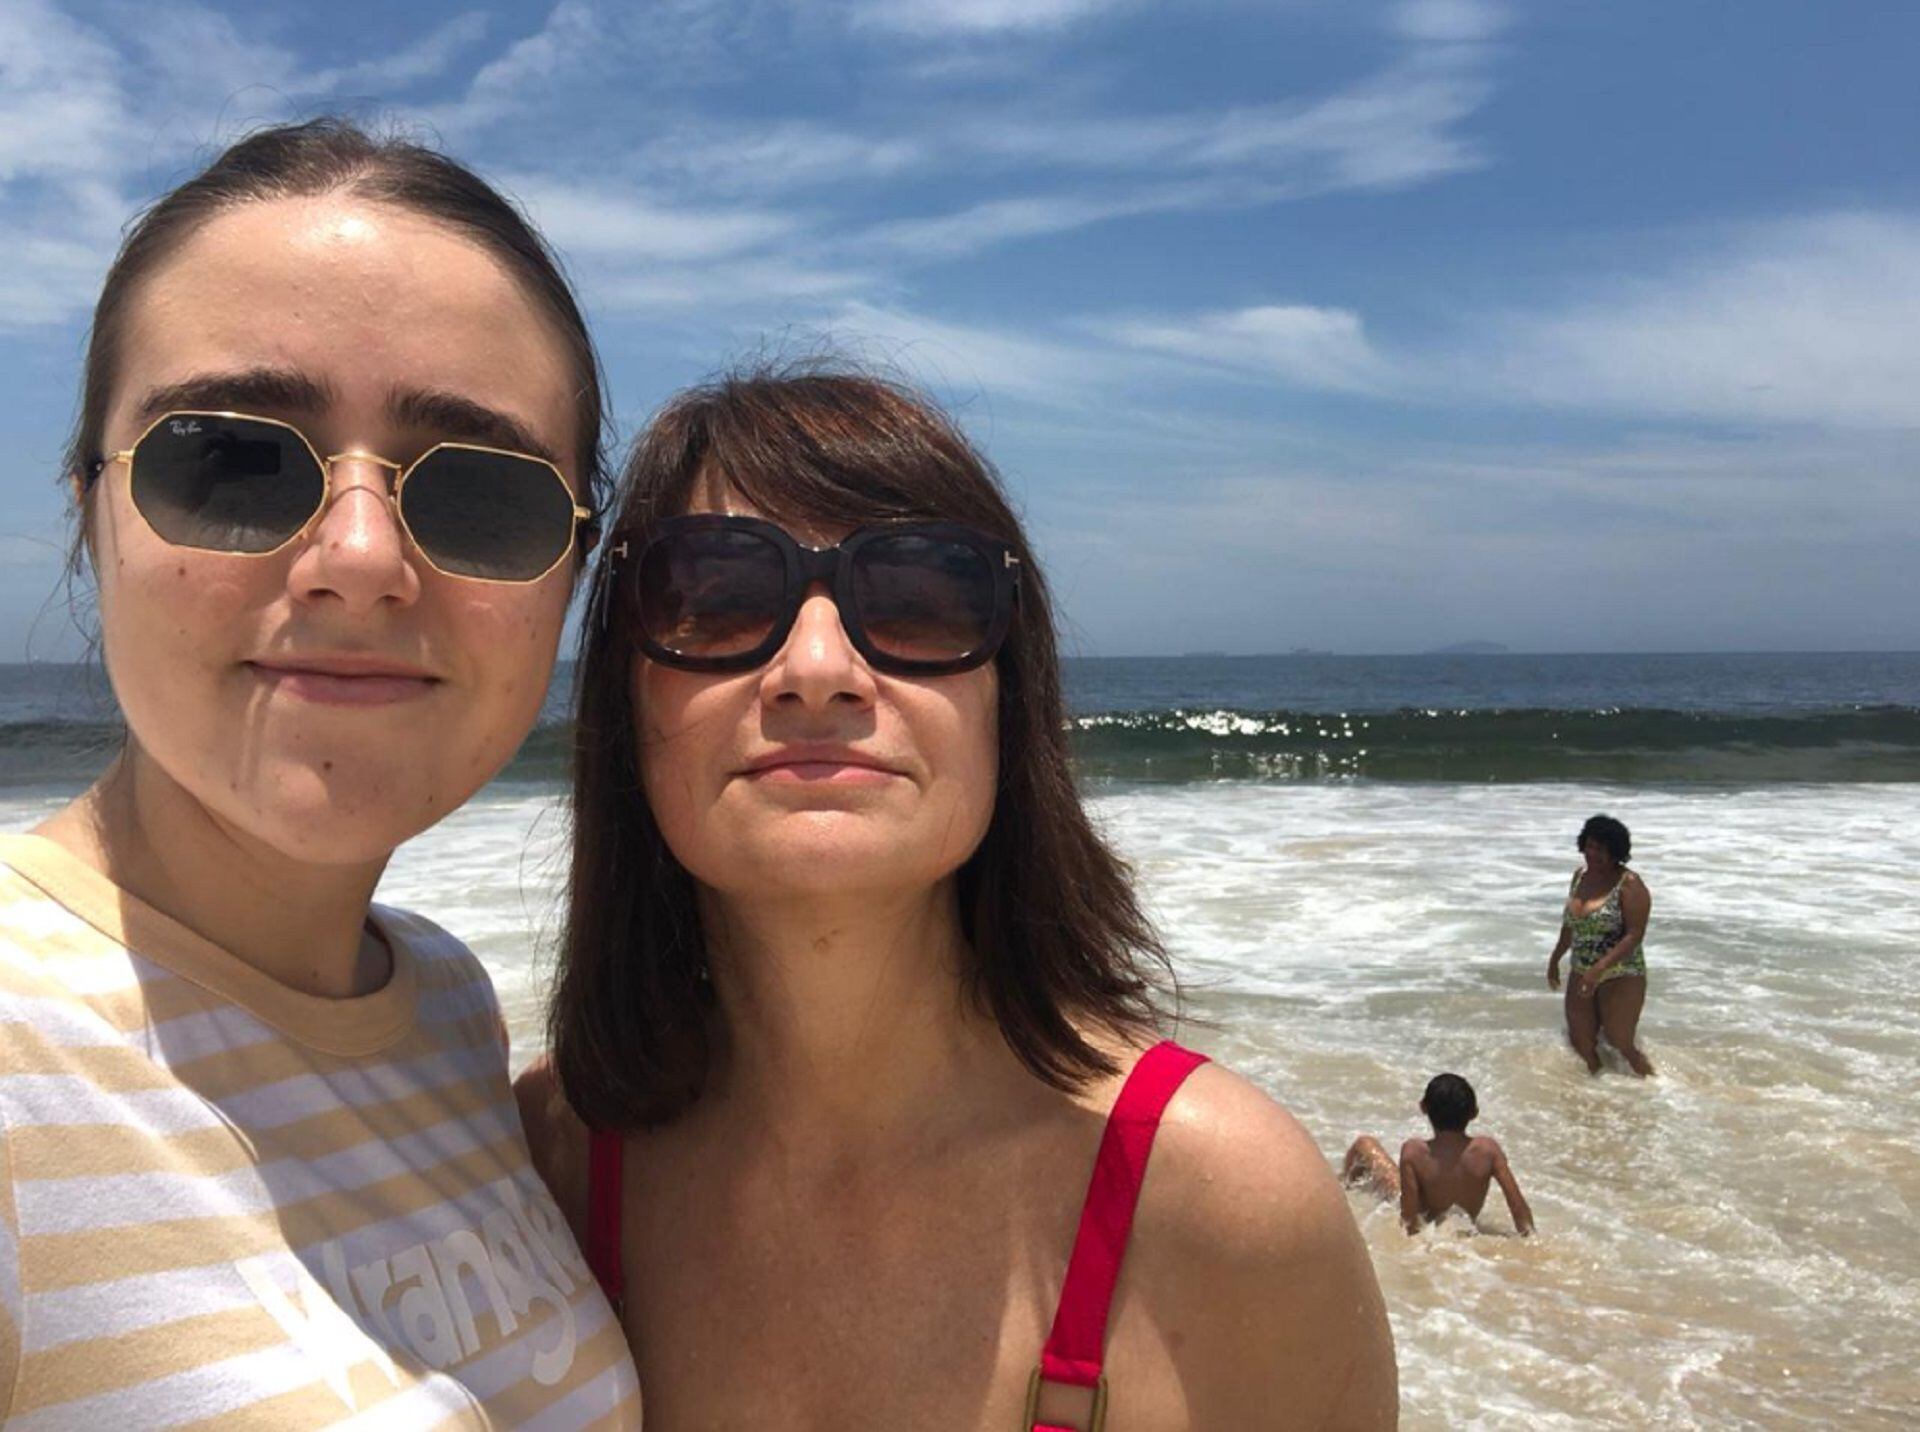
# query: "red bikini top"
[[1075, 1348]]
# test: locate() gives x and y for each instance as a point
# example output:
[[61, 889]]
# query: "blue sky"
[[1574, 325]]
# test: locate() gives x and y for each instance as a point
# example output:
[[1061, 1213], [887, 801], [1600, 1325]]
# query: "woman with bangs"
[[856, 1097]]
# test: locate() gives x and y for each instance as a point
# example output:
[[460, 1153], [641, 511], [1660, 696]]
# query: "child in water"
[[1450, 1170]]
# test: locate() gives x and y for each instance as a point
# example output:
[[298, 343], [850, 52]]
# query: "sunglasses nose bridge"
[[389, 470], [386, 476], [819, 564]]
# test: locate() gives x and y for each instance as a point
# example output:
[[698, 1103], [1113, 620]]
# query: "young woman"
[[1604, 923], [857, 1003], [262, 1167]]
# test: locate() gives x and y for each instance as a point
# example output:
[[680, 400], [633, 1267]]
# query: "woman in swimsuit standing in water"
[[1605, 925], [856, 999]]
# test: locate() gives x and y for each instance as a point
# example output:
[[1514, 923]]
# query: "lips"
[[834, 764], [344, 679]]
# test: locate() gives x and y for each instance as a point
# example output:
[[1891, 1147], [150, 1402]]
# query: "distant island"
[[1470, 648]]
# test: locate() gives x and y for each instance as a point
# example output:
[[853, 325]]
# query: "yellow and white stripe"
[[224, 1203]]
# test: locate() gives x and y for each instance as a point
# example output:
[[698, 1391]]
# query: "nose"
[[356, 552], [818, 667]]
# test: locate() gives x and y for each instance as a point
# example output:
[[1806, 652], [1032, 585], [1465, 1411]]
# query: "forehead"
[[359, 297], [712, 491]]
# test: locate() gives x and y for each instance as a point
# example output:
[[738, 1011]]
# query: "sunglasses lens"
[[486, 514], [225, 484], [711, 592], [924, 599]]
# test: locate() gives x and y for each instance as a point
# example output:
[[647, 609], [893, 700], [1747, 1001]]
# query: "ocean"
[[1358, 863]]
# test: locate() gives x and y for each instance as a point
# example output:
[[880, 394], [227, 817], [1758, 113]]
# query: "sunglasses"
[[246, 486], [718, 593]]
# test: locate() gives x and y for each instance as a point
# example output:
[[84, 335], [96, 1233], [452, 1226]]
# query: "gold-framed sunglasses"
[[250, 487]]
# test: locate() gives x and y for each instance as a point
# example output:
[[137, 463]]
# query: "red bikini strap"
[[1075, 1350], [603, 1212]]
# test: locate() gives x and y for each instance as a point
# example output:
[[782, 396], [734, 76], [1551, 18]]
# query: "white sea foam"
[[1728, 1245]]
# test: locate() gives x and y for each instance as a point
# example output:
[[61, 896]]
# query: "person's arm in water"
[[1559, 949], [1412, 1204], [1636, 904], [1510, 1190], [1561, 945]]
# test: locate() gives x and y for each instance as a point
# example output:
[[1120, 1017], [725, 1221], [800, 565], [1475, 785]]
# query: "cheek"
[[676, 714], [164, 610], [510, 635], [966, 753]]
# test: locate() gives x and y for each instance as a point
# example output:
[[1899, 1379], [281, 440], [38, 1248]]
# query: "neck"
[[847, 1026], [299, 922]]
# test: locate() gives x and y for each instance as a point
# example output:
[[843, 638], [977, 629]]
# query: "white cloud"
[[1448, 21], [60, 97], [604, 223], [734, 158], [1324, 348], [1814, 320], [975, 17], [426, 57], [957, 358], [1810, 321], [757, 288], [533, 68], [993, 222]]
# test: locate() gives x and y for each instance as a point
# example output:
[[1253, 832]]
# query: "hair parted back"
[[1060, 946], [322, 156]]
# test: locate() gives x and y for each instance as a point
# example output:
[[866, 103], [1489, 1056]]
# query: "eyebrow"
[[284, 390], [450, 416], [273, 391]]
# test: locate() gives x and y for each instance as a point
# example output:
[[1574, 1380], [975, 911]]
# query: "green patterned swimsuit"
[[1599, 930]]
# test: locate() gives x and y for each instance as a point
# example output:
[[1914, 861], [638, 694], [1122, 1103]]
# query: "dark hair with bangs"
[[1060, 945]]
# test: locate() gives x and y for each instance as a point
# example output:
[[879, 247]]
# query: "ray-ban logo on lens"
[[183, 427]]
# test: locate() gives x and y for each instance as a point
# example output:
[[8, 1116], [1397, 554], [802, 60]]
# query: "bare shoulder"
[[1247, 1250], [1415, 1151], [557, 1138], [1486, 1150]]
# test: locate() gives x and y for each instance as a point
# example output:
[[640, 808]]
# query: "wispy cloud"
[[735, 158], [1813, 320], [974, 17], [1322, 348], [430, 55], [1448, 21], [959, 360], [602, 223]]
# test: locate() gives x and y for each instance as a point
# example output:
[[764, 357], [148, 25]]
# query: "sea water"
[[1730, 1244]]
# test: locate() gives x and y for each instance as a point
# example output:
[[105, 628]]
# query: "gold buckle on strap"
[[1095, 1420]]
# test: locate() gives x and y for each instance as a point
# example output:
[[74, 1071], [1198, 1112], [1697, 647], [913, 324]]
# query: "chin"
[[835, 864], [310, 813]]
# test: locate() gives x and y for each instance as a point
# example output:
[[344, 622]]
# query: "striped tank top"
[[227, 1203]]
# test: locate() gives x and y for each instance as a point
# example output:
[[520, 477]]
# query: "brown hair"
[[1059, 942], [318, 157]]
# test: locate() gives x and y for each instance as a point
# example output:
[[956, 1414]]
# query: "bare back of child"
[[1453, 1169]]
